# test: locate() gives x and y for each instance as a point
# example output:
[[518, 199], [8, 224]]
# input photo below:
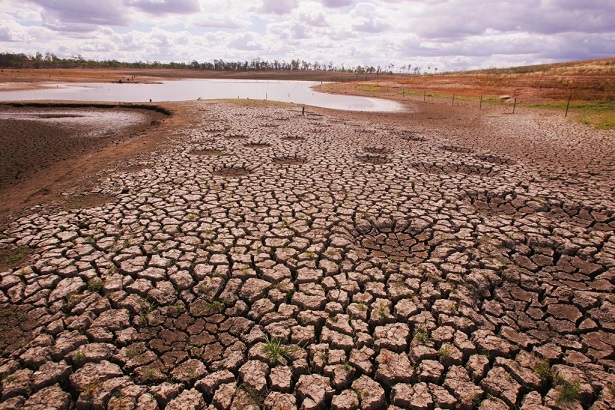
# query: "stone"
[[314, 391], [279, 401], [501, 384], [254, 374], [49, 398], [208, 384], [187, 400], [393, 368], [346, 400], [371, 394]]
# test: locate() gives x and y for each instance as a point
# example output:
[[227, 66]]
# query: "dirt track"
[[444, 258]]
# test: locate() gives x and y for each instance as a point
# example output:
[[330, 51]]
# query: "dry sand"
[[447, 257]]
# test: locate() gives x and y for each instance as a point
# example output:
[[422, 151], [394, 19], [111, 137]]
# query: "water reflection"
[[298, 92]]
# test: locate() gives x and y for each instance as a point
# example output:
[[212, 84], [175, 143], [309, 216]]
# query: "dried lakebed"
[[269, 259]]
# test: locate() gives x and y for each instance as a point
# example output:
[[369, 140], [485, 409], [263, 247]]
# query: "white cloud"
[[447, 33]]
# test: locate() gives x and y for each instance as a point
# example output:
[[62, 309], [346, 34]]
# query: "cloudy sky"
[[447, 34]]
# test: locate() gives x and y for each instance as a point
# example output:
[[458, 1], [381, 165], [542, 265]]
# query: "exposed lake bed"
[[245, 253]]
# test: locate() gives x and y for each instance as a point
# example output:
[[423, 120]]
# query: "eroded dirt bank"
[[333, 260]]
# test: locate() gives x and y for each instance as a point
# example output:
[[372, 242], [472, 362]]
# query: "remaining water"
[[298, 92]]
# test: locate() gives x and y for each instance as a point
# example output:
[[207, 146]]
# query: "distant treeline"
[[50, 60]]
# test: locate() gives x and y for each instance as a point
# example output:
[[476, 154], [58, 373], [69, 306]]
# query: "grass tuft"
[[277, 351]]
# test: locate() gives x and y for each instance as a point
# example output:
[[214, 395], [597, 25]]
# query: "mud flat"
[[264, 258]]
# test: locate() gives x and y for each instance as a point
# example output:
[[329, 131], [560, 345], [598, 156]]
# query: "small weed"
[[95, 285], [333, 318], [254, 396], [9, 378], [78, 358], [89, 389], [277, 350], [421, 336], [215, 306], [147, 308], [346, 366], [568, 392], [611, 389], [543, 369], [452, 307], [72, 297], [135, 350], [445, 351], [150, 373], [310, 254], [383, 310], [362, 307]]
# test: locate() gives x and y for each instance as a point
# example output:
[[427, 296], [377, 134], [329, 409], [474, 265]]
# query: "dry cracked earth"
[[279, 261]]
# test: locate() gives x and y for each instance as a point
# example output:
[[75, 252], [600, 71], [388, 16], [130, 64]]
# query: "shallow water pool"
[[298, 92]]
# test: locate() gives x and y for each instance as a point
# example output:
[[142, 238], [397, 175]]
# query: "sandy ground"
[[255, 257]]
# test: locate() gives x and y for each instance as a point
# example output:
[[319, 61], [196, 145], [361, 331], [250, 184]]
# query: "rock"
[[532, 401], [279, 401], [13, 403], [254, 289], [441, 397], [415, 396], [393, 368], [493, 403], [280, 379], [66, 343], [50, 374], [208, 384], [49, 398], [393, 336], [371, 394], [430, 371], [92, 374], [499, 383], [314, 390], [165, 392], [346, 400], [187, 400], [66, 287], [18, 383], [458, 382], [224, 396], [189, 371], [565, 312], [254, 374], [361, 359]]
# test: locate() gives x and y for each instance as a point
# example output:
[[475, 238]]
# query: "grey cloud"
[[158, 7], [245, 41], [77, 14], [6, 34], [278, 6], [457, 19], [337, 3]]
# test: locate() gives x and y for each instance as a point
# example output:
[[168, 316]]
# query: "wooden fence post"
[[568, 105]]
